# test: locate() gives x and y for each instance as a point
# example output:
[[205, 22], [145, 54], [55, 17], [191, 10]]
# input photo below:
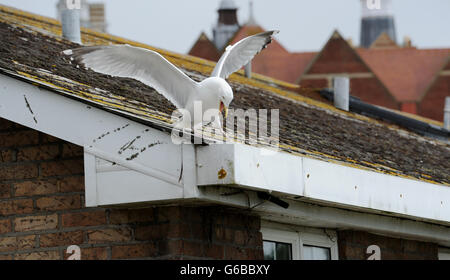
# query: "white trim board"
[[321, 181]]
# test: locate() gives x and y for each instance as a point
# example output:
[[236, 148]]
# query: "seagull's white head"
[[221, 91]]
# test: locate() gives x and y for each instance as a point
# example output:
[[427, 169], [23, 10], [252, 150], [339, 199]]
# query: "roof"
[[203, 47], [31, 47], [406, 72]]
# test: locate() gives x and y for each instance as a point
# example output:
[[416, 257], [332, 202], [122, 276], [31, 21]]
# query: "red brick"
[[5, 257], [62, 167], [255, 254], [192, 249], [71, 184], [353, 246], [18, 171], [46, 255], [432, 104], [314, 83], [14, 207], [214, 251], [151, 232], [94, 253], [131, 216], [5, 190], [5, 226], [91, 218], [31, 188], [17, 243], [8, 244], [172, 214], [70, 150], [45, 138], [43, 152], [171, 247], [61, 238], [59, 202], [26, 242], [337, 57], [42, 222], [98, 253], [7, 156], [18, 138], [109, 235], [134, 251], [5, 124], [235, 253]]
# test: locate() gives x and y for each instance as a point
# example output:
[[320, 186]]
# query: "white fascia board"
[[250, 167], [125, 161], [329, 183]]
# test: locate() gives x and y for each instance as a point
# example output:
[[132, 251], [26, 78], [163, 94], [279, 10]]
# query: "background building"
[[381, 71], [92, 15]]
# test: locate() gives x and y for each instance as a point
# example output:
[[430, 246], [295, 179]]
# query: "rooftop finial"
[[251, 16]]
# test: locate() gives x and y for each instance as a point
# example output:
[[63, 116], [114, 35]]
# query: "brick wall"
[[42, 212], [432, 104], [353, 245]]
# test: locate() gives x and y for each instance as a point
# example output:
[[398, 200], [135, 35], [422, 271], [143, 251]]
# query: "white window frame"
[[444, 254], [298, 236]]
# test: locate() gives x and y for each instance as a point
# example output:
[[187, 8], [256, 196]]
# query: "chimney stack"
[[227, 24], [70, 20], [447, 113], [341, 93]]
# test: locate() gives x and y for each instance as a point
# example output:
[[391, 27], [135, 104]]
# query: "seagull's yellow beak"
[[222, 108]]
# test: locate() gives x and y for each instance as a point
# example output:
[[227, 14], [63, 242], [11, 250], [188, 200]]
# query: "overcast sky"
[[305, 25]]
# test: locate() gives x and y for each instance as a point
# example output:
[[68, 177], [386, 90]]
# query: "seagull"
[[152, 69]]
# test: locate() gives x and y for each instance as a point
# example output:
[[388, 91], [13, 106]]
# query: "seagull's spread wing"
[[241, 53], [144, 65]]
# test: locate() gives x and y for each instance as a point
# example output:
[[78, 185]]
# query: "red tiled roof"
[[287, 67], [247, 30], [275, 61], [204, 48], [406, 72]]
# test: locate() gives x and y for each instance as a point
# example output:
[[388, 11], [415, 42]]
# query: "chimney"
[[341, 93], [70, 20], [227, 24], [248, 70], [447, 113], [407, 43], [97, 17]]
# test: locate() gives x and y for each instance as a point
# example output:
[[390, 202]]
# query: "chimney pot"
[[447, 113], [70, 19], [248, 70], [342, 93]]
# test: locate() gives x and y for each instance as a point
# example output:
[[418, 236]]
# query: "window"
[[316, 253], [297, 243], [444, 254], [277, 250]]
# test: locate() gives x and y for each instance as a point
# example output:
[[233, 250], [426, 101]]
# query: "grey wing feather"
[[241, 53], [144, 65]]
